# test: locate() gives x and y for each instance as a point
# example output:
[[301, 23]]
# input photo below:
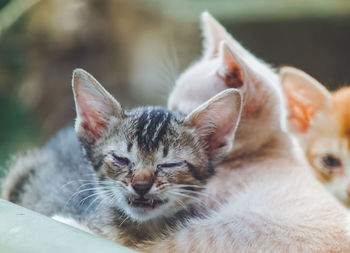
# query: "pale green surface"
[[24, 231]]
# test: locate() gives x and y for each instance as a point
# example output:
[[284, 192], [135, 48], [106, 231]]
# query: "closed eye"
[[121, 161], [170, 165]]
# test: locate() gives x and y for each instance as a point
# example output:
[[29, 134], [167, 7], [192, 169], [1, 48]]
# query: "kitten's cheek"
[[114, 173]]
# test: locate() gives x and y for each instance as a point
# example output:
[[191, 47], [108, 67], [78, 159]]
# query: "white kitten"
[[270, 201]]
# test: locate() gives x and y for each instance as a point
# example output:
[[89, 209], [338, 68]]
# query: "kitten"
[[319, 119], [127, 174], [270, 201]]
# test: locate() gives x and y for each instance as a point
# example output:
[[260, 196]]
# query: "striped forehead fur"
[[153, 127]]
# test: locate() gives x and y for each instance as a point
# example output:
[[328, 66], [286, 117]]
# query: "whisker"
[[74, 195], [189, 186], [91, 182], [71, 182], [81, 202], [92, 202], [198, 201], [123, 221], [195, 192], [103, 200], [199, 193], [184, 195], [203, 202], [181, 203], [108, 194], [167, 65]]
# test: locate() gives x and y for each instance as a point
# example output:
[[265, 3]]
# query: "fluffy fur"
[[320, 120], [269, 199], [127, 175]]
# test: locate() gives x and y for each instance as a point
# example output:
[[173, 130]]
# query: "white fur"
[[270, 201]]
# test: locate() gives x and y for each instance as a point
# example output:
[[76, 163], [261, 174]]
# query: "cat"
[[319, 119], [125, 174], [270, 201]]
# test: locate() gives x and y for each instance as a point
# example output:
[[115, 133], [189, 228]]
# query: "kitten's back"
[[45, 179]]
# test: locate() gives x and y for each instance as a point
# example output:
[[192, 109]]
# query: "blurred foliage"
[[18, 126], [17, 129], [3, 3]]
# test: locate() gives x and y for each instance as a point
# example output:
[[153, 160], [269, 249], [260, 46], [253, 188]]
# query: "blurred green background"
[[136, 49]]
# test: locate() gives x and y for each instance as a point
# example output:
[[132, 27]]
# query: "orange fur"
[[341, 108]]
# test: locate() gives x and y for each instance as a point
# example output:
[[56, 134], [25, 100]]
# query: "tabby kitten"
[[129, 174]]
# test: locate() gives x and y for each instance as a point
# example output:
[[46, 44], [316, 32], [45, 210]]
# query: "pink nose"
[[142, 187], [142, 181]]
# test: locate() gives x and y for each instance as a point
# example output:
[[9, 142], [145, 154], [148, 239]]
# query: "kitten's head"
[[226, 64], [320, 120], [151, 162]]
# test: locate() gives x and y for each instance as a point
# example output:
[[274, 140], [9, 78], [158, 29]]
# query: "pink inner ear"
[[300, 113], [218, 140], [93, 121], [233, 76], [219, 124], [93, 128]]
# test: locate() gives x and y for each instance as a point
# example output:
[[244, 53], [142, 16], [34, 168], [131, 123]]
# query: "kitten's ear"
[[305, 96], [216, 121], [213, 34], [231, 69], [94, 106]]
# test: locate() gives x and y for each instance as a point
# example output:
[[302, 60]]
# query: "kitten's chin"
[[144, 211]]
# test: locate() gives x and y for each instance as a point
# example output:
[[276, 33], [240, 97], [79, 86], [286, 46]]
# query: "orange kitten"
[[320, 120], [269, 199]]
